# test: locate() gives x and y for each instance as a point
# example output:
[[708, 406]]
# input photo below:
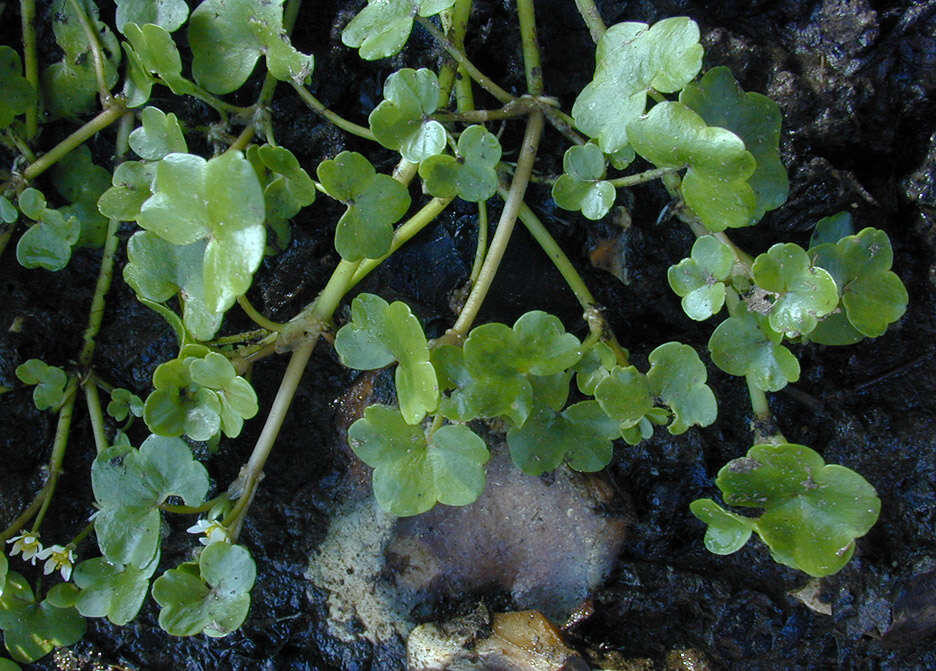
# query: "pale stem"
[[592, 18], [505, 225], [640, 177], [531, 55], [481, 247], [256, 316], [58, 450], [31, 64], [93, 401], [348, 126], [95, 47]]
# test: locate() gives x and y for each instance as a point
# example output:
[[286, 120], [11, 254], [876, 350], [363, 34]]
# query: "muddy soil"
[[855, 80]]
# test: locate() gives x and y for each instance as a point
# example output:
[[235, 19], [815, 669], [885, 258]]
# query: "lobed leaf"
[[32, 629], [803, 292], [813, 511], [715, 186], [18, 94], [699, 280], [401, 121], [581, 187], [753, 117], [746, 345], [114, 591], [471, 176], [383, 26], [49, 380], [678, 377], [632, 58], [375, 202], [167, 14], [412, 474]]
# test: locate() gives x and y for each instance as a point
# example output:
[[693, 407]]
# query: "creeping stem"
[[31, 64], [592, 18], [316, 106], [95, 48], [58, 450]]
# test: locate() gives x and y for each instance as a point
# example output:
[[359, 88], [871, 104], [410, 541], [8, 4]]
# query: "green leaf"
[[168, 14], [228, 36], [872, 295], [129, 484], [678, 377], [379, 334], [831, 229], [154, 51], [70, 85], [624, 395], [130, 188], [581, 186], [287, 187], [9, 665], [813, 512], [699, 280], [49, 380], [157, 270], [382, 28], [594, 366], [401, 121], [110, 590], [18, 93], [471, 176], [124, 403], [746, 345], [716, 184], [631, 59], [727, 532], [32, 629], [221, 200], [8, 211], [803, 292], [214, 599], [753, 117], [48, 243], [536, 344], [581, 435], [375, 202], [410, 474], [159, 135], [82, 183]]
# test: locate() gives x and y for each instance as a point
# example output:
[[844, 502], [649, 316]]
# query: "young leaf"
[[32, 629], [753, 117], [157, 270], [82, 183], [402, 122], [594, 366], [287, 188], [382, 28], [124, 403], [71, 85], [410, 474], [716, 184], [536, 344], [212, 597], [159, 135], [624, 395], [375, 202], [727, 532], [630, 60], [228, 36], [581, 435], [379, 334], [152, 50], [48, 243], [130, 484], [8, 212], [168, 14], [746, 345], [114, 591], [873, 296], [813, 511], [581, 186], [130, 187], [678, 377], [221, 200], [804, 292], [471, 176], [18, 93], [49, 380], [831, 229], [699, 280]]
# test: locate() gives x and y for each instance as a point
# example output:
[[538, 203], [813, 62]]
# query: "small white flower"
[[26, 544], [57, 557], [213, 529]]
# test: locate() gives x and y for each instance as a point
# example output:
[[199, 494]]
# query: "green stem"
[[95, 47], [455, 21], [24, 517], [481, 247], [89, 527], [256, 316], [98, 123], [96, 414], [312, 321], [699, 229], [640, 177], [505, 225], [58, 450], [758, 401], [31, 64], [320, 109], [403, 233], [483, 80], [592, 18], [193, 510], [105, 276], [531, 56]]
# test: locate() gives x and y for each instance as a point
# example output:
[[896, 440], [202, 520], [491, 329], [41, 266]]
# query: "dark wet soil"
[[855, 80]]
